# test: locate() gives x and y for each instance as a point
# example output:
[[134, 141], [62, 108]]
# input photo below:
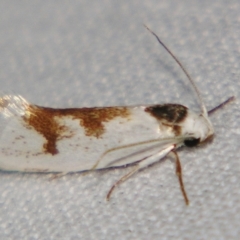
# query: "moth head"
[[197, 129]]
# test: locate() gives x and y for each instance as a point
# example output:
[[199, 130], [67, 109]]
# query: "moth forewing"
[[70, 140]]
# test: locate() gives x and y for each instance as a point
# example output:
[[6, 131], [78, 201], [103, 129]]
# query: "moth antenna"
[[200, 99], [221, 105]]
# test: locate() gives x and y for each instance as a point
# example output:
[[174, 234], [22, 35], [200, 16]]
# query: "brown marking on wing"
[[92, 119], [172, 113], [45, 121]]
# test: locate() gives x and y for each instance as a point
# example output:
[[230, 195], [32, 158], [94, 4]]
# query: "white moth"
[[42, 139]]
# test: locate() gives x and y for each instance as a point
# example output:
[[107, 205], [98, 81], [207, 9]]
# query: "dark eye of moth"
[[191, 142]]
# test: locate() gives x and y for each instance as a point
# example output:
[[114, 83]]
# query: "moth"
[[43, 139]]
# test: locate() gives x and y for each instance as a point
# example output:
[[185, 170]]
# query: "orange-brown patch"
[[44, 121]]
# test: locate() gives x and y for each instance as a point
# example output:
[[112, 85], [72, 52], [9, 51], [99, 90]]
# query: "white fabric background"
[[97, 53]]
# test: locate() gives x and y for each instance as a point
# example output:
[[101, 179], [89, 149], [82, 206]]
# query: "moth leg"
[[57, 175], [143, 164], [122, 179], [174, 155]]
